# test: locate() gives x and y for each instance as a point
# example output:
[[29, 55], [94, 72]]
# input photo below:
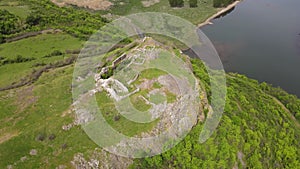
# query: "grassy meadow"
[[37, 48], [195, 15], [36, 111]]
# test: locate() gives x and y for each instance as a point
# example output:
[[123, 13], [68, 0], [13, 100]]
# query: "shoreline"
[[223, 10]]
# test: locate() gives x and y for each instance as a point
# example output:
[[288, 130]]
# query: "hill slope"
[[259, 128], [256, 129]]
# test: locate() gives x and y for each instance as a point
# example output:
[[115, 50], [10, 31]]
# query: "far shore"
[[223, 10]]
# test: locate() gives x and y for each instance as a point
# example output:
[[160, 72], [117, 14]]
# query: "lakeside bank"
[[222, 11]]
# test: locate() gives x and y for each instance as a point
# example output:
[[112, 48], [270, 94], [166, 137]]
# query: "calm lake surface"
[[261, 39]]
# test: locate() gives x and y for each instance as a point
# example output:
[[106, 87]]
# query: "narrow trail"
[[34, 76], [286, 109], [290, 114]]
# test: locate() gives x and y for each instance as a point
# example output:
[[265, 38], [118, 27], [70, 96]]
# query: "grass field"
[[34, 47], [15, 7], [195, 15], [117, 121], [25, 120]]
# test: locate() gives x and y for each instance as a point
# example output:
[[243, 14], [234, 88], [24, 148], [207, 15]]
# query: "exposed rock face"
[[33, 152], [168, 82], [61, 167], [67, 127], [23, 159], [177, 114], [100, 159]]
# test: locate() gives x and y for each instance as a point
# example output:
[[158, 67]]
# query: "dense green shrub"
[[176, 3], [44, 15], [33, 19], [2, 40], [18, 59], [193, 3], [54, 53], [222, 3], [291, 102], [8, 23]]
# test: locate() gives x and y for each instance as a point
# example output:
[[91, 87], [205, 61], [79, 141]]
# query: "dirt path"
[[34, 76], [6, 136], [286, 109], [290, 114], [31, 34]]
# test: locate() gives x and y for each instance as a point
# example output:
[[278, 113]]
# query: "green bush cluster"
[[8, 23], [176, 3], [254, 132], [193, 3], [18, 59], [291, 102], [54, 53], [44, 15], [222, 3]]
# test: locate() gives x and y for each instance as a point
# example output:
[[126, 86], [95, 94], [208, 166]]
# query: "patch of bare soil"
[[101, 159], [6, 136], [147, 3], [25, 97], [91, 4], [240, 157]]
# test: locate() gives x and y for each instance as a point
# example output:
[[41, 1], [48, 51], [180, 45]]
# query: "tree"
[[33, 19], [8, 23], [193, 3], [1, 39], [176, 3], [221, 3]]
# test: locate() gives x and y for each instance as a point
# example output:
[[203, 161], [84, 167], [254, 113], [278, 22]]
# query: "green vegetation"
[[138, 101], [291, 102], [222, 3], [157, 98], [18, 59], [32, 53], [20, 11], [157, 85], [176, 3], [150, 74], [196, 15], [16, 7], [117, 121], [170, 97], [259, 128], [40, 109], [255, 131], [8, 22], [193, 3], [44, 15]]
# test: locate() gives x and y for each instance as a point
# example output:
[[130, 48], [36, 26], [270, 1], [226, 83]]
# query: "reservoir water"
[[261, 39]]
